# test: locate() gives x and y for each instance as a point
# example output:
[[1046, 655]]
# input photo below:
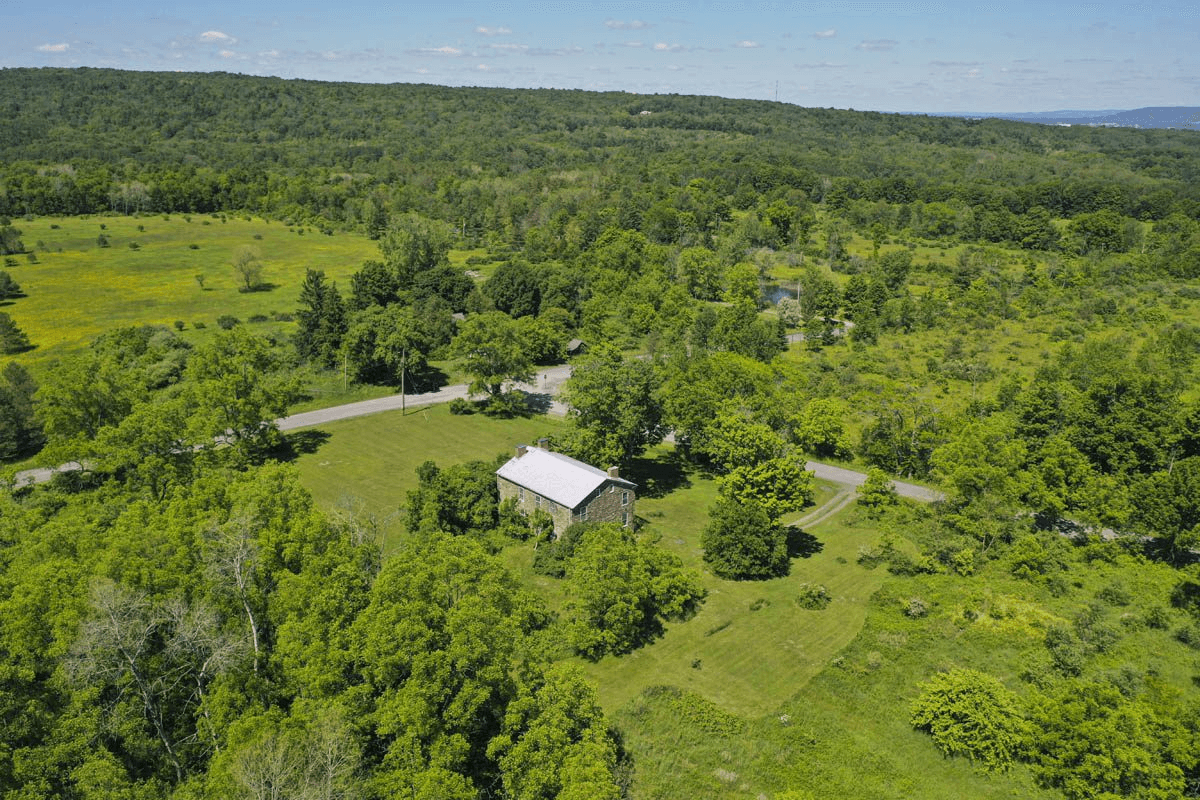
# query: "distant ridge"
[[1177, 117]]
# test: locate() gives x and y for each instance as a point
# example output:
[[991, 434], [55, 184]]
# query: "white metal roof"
[[561, 478]]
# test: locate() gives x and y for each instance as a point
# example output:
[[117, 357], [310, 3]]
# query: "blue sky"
[[909, 55]]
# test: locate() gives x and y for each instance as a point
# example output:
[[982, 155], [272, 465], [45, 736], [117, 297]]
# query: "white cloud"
[[663, 47], [445, 50], [217, 36], [483, 68], [633, 44], [829, 34], [508, 46], [746, 43], [486, 31], [227, 54], [877, 45], [632, 25], [54, 48]]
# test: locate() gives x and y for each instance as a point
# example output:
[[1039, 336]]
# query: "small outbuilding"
[[568, 490]]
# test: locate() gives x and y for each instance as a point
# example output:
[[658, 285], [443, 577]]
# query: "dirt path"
[[823, 512]]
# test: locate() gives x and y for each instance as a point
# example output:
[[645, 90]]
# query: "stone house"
[[569, 491]]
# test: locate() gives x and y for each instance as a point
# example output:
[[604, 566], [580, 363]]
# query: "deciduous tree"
[[613, 405], [742, 541], [493, 351]]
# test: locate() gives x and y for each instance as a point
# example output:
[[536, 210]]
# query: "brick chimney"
[[521, 450], [544, 443], [614, 472]]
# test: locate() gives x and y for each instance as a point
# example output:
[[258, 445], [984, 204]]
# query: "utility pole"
[[403, 369]]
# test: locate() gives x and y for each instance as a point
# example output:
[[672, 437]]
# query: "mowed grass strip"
[[751, 646], [77, 289], [373, 460]]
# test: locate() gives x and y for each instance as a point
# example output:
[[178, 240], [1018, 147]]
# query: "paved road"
[[547, 382], [849, 477]]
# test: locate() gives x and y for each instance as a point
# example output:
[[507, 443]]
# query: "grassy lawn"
[[77, 289], [750, 647], [374, 459]]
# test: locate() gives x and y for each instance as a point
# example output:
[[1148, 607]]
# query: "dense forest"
[[1001, 311]]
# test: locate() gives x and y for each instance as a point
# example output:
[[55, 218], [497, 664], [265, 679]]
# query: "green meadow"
[[147, 274]]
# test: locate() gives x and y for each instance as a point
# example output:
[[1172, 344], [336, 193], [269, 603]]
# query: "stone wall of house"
[[610, 503], [527, 501]]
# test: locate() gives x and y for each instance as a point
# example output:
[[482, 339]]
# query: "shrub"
[[972, 714], [1187, 634], [1115, 594], [227, 321], [1158, 617], [199, 326], [916, 608], [180, 324], [258, 318], [461, 406], [193, 246], [813, 596]]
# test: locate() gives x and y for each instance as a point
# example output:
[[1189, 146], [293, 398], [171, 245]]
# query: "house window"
[[624, 498], [537, 501], [521, 493], [612, 487], [625, 518], [551, 507], [583, 514]]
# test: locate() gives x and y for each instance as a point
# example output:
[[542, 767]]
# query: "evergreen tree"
[[12, 338], [20, 431], [322, 320]]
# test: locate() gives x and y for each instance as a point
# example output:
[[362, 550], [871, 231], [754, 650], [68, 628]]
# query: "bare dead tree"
[[115, 645], [199, 640], [231, 556]]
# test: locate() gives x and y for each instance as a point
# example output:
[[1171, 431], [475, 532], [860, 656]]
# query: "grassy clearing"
[[751, 646], [374, 459], [77, 289]]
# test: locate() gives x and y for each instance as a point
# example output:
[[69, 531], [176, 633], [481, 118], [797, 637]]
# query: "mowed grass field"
[[751, 646], [371, 461], [77, 289]]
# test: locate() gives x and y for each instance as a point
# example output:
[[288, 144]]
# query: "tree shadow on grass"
[[801, 544], [258, 287], [426, 379], [538, 403], [658, 477], [299, 443]]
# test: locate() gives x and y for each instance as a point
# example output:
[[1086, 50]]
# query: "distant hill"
[[1176, 117]]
